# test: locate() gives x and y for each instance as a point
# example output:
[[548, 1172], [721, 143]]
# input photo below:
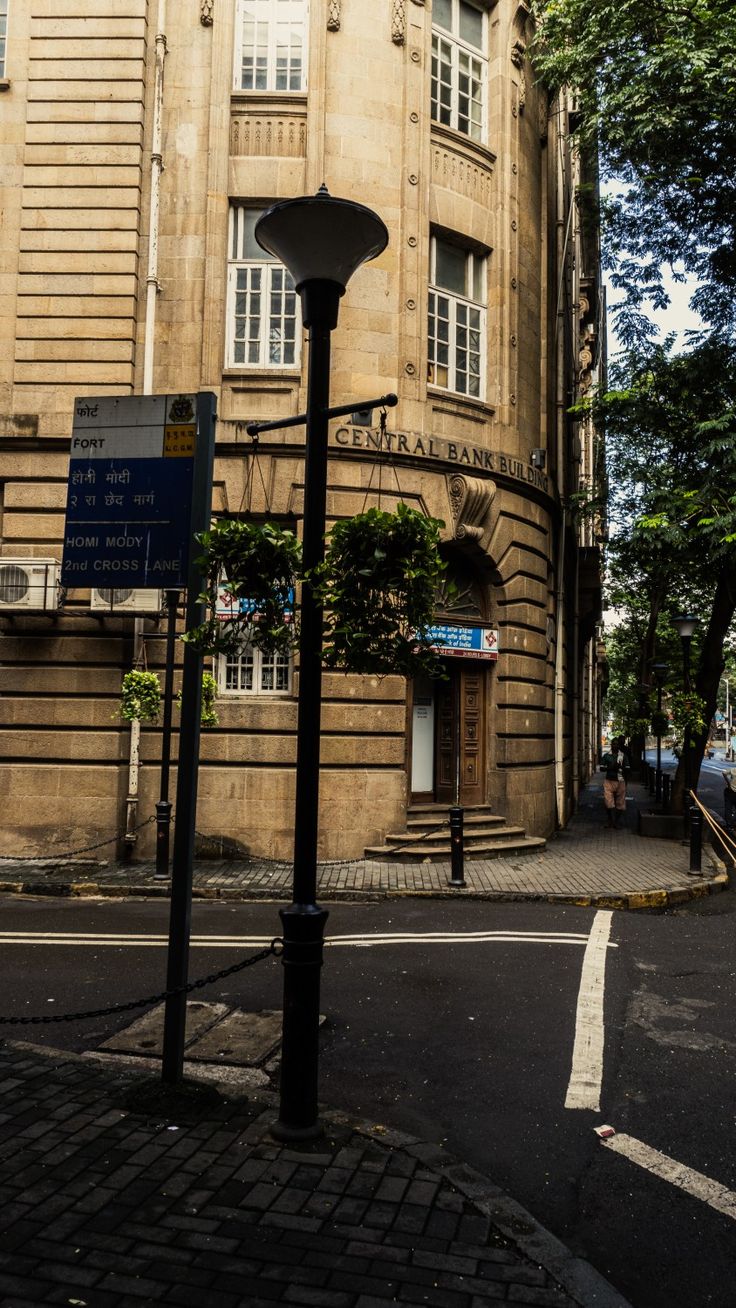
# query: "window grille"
[[457, 319], [459, 67], [263, 321], [270, 52]]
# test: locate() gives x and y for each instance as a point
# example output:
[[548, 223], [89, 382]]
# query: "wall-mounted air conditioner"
[[28, 584], [121, 600]]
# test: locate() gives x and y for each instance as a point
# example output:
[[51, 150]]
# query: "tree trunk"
[[708, 675]]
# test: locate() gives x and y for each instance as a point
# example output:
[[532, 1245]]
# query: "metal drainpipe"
[[152, 289], [563, 235], [131, 803], [157, 167]]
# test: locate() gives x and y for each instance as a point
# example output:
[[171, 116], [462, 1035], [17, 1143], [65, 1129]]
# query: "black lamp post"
[[660, 671], [322, 241], [686, 624]]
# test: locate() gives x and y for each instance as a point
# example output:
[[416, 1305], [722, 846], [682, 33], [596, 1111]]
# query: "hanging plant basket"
[[378, 584], [251, 568], [140, 697]]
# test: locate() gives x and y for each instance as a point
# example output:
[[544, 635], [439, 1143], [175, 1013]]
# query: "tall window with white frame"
[[251, 672], [270, 45], [263, 317], [456, 334], [460, 66], [3, 34]]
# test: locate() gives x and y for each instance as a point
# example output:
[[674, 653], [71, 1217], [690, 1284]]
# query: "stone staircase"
[[427, 837]]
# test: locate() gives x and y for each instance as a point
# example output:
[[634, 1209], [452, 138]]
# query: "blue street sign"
[[129, 500], [464, 642]]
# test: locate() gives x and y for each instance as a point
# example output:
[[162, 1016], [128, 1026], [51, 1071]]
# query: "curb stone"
[[577, 1277], [636, 900]]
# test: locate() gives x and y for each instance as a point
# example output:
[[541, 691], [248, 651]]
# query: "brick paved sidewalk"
[[112, 1199], [585, 864]]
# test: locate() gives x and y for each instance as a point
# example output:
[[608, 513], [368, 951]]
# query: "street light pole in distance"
[[660, 671], [322, 241], [686, 624]]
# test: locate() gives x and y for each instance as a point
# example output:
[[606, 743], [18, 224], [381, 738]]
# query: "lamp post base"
[[303, 938], [285, 1134]]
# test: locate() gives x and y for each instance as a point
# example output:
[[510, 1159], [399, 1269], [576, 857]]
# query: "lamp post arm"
[[339, 411]]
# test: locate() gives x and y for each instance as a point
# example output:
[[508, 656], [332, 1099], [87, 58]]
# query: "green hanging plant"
[[378, 585], [255, 566], [207, 717], [140, 697]]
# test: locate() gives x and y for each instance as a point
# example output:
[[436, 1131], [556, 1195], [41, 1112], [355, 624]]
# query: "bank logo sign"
[[464, 642], [129, 500]]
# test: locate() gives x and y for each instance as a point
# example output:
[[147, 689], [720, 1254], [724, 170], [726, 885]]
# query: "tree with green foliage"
[[670, 428], [655, 82]]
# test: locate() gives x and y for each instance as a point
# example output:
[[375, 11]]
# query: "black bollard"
[[457, 857], [696, 839], [652, 778], [666, 791]]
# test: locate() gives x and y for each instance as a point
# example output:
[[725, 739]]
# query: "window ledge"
[[475, 150], [455, 402], [273, 101], [5, 83], [237, 374]]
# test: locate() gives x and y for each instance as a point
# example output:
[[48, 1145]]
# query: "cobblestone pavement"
[[114, 1195], [585, 863]]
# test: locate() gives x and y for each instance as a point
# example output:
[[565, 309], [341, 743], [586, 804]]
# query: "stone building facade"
[[141, 139]]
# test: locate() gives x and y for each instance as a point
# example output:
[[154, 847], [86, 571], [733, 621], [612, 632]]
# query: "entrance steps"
[[427, 837]]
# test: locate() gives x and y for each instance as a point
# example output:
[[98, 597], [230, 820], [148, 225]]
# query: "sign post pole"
[[188, 765]]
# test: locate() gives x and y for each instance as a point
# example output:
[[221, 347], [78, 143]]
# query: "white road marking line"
[[586, 1076], [668, 1169], [133, 940]]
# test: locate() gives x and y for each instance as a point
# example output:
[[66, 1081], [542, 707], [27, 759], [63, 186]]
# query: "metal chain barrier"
[[718, 830], [69, 853], [273, 949], [86, 849], [334, 862]]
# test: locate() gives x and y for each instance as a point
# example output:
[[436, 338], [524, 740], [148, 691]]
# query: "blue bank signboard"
[[456, 641], [129, 501]]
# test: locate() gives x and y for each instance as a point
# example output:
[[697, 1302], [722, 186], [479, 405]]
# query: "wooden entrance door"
[[463, 693]]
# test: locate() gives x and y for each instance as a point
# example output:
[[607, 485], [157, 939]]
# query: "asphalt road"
[[710, 781], [470, 1041]]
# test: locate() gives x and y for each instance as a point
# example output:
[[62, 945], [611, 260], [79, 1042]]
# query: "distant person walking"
[[615, 764], [729, 800]]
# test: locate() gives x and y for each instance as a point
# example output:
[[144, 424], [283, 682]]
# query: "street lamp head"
[[686, 624], [321, 240]]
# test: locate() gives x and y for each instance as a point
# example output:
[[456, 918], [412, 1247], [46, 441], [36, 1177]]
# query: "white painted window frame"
[[273, 16], [4, 8], [456, 50], [462, 314], [275, 284], [232, 670]]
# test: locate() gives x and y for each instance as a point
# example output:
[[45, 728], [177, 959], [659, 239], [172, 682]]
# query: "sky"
[[679, 317]]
